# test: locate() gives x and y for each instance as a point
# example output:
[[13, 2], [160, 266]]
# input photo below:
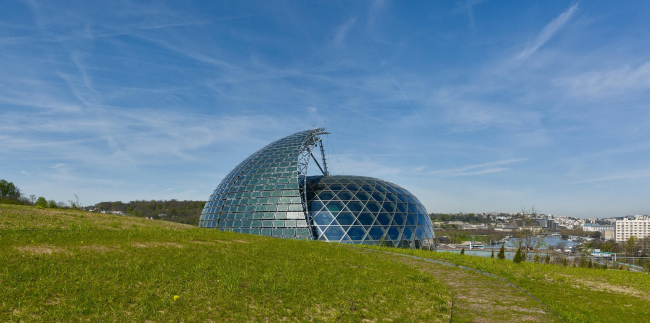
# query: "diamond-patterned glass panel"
[[368, 211]]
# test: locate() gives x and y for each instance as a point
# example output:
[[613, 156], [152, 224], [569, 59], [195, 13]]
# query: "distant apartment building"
[[504, 227], [481, 226], [638, 227], [598, 227]]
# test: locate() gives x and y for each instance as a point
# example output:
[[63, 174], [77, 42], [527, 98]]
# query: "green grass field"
[[575, 294], [65, 265]]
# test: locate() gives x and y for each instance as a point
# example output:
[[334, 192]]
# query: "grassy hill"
[[66, 265], [574, 294]]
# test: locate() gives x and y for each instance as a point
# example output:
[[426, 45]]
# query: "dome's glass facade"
[[262, 194], [270, 194], [365, 210]]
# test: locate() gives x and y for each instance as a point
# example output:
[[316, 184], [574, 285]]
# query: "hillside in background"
[[187, 212]]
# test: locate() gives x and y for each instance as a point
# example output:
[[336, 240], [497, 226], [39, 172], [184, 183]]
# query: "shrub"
[[492, 255], [462, 251], [518, 256], [41, 202], [502, 252]]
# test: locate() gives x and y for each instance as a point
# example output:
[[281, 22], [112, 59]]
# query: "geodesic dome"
[[269, 193]]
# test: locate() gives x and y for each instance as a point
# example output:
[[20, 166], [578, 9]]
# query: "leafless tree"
[[527, 234]]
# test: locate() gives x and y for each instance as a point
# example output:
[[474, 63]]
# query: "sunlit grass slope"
[[575, 294], [63, 265]]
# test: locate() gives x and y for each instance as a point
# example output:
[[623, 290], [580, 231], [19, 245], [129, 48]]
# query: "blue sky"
[[474, 106]]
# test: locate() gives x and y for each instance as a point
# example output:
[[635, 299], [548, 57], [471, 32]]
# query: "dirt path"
[[478, 298]]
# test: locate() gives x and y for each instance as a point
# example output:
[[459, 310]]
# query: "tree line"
[[187, 212], [464, 217], [11, 194], [565, 233]]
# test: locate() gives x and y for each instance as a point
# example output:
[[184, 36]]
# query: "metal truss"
[[311, 141]]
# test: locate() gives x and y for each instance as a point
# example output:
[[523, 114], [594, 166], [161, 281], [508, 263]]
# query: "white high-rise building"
[[639, 227]]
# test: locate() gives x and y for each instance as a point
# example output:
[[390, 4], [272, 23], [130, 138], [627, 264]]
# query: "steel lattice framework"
[[271, 194], [311, 141]]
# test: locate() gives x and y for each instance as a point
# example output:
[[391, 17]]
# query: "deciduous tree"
[[526, 234], [41, 202], [630, 247], [8, 189]]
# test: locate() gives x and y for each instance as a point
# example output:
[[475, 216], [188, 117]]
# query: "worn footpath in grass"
[[62, 265], [575, 294], [479, 298]]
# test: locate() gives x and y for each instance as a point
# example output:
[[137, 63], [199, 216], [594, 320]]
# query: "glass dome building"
[[270, 193]]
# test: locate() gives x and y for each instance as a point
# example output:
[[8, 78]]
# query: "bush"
[[462, 251], [502, 252], [518, 256], [41, 202], [7, 200], [492, 255]]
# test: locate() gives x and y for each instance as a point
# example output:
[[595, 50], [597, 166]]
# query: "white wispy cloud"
[[469, 7], [476, 169], [612, 82], [634, 175], [342, 31], [470, 109], [548, 32], [374, 11], [138, 137], [365, 165]]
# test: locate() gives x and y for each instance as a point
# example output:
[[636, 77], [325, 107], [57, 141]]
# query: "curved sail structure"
[[269, 193]]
